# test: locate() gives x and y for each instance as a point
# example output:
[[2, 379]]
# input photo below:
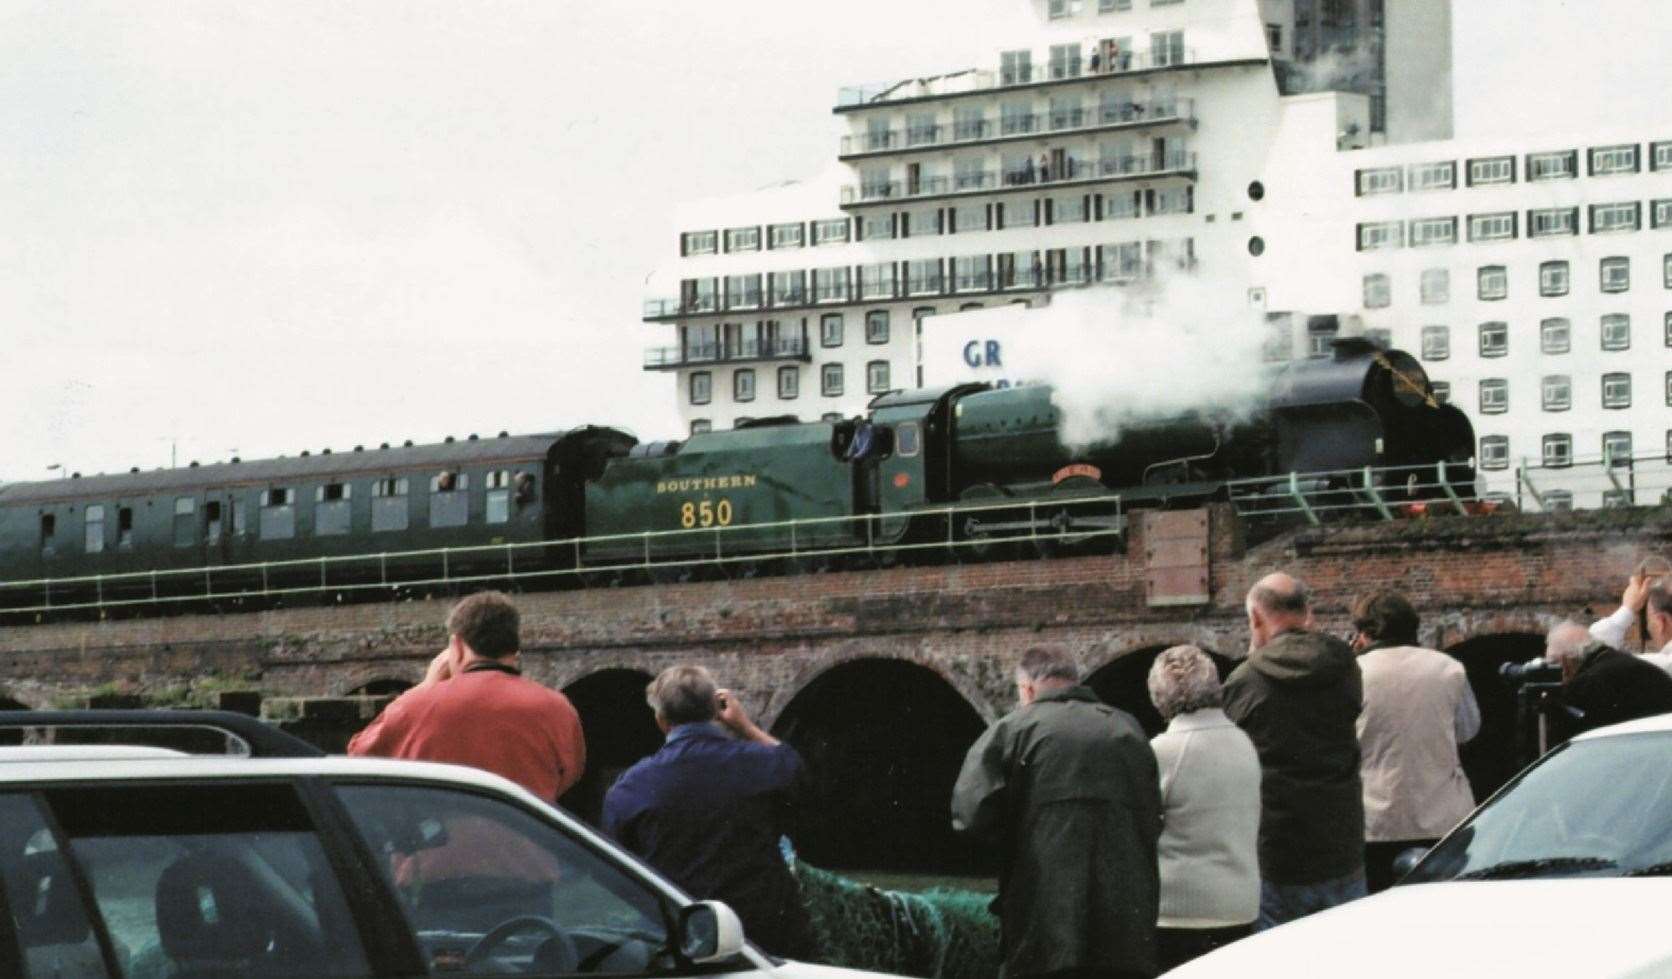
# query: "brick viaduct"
[[886, 674]]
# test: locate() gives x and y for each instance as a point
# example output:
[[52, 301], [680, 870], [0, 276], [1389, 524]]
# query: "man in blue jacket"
[[708, 809]]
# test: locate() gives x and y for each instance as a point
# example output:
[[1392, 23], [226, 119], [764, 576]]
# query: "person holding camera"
[[709, 808], [1601, 685], [1651, 597], [1418, 708]]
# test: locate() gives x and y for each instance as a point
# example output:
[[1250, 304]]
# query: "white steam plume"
[[1118, 357]]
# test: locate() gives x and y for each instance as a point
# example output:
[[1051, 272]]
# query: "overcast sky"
[[259, 228]]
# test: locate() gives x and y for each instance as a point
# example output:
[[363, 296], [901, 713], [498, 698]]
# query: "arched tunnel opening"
[[10, 703], [883, 741], [381, 687], [620, 729], [1494, 755], [1124, 683]]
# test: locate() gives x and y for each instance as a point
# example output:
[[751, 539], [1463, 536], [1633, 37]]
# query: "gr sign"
[[984, 353], [978, 345]]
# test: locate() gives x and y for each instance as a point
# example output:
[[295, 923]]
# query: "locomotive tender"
[[876, 480]]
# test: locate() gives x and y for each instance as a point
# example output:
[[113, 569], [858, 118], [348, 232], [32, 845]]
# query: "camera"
[[1532, 671]]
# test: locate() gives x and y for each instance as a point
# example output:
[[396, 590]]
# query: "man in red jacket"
[[475, 708]]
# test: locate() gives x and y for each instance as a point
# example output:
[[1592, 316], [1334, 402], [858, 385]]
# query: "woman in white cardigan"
[[1210, 797]]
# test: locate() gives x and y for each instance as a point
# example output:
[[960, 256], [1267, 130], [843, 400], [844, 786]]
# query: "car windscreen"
[[1596, 807]]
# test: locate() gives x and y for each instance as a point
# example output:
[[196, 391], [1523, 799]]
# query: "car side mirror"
[[708, 932], [1407, 861]]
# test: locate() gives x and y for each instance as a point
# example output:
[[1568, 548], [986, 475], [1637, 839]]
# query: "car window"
[[47, 912], [210, 880], [489, 888], [1600, 807]]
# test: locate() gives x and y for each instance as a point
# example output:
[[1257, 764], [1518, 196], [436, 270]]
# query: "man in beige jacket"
[[1417, 709]]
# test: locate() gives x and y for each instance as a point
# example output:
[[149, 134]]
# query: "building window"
[[1553, 278], [1381, 234], [1558, 450], [1556, 392], [1015, 67], [1434, 176], [1660, 155], [698, 243], [1441, 390], [970, 274], [278, 514], [743, 291], [702, 387], [875, 226], [1492, 227], [1436, 286], [743, 385], [1605, 160], [389, 506], [1668, 328], [701, 425], [1551, 222], [1660, 213], [789, 383], [876, 377], [1064, 8], [1616, 390], [831, 231], [1555, 335], [1492, 170], [923, 277], [1622, 216], [1666, 271], [1065, 60], [831, 284], [830, 330], [787, 235], [1559, 165], [1494, 452], [1381, 180], [1494, 396], [1378, 291], [93, 534], [1436, 342], [1616, 331], [1491, 282], [1166, 48], [876, 281], [1557, 501], [830, 380], [1494, 339], [876, 326], [1433, 231], [743, 239], [1669, 389], [1616, 448], [1616, 274]]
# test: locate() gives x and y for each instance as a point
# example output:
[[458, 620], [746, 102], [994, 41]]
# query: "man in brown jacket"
[[1417, 709]]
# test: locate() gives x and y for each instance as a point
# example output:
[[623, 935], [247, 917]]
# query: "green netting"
[[938, 934]]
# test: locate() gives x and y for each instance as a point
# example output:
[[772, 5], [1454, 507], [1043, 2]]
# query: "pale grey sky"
[[268, 227]]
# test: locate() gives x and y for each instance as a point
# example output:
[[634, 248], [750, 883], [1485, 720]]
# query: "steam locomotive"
[[1363, 420]]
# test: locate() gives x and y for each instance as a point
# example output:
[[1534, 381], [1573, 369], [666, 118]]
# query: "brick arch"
[[819, 664], [11, 701], [1455, 630], [1130, 641], [357, 677]]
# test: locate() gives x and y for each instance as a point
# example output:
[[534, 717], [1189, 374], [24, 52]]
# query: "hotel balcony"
[[748, 350], [977, 80], [970, 132], [1080, 173]]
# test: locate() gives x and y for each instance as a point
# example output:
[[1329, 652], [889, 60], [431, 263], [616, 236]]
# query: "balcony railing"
[[1134, 114], [986, 79], [750, 348], [1076, 169]]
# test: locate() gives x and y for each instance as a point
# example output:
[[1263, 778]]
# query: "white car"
[[1566, 871], [149, 865]]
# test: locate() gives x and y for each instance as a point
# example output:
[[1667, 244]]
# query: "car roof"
[[1643, 725], [106, 769], [84, 752]]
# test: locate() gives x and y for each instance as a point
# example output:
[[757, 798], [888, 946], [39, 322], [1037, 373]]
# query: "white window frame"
[[1552, 165], [1439, 175], [1660, 213], [1552, 222], [700, 242], [830, 380], [1556, 392], [1434, 286], [831, 230], [745, 239], [1492, 283], [1606, 161], [1616, 216], [1494, 452], [1614, 273], [1433, 231], [1378, 291], [1376, 235], [1557, 450], [1494, 338], [1660, 155], [1492, 170], [1497, 226], [1614, 330], [790, 235], [1555, 335], [1378, 180], [875, 384], [1616, 390], [1617, 447], [1436, 342], [1555, 277], [1494, 396]]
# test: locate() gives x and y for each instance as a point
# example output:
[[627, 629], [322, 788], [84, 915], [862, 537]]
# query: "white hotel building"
[[1515, 232]]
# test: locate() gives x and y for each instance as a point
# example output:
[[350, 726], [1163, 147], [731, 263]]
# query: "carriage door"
[[217, 528]]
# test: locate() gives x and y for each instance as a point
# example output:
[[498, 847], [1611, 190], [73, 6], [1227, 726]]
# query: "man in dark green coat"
[[1066, 788]]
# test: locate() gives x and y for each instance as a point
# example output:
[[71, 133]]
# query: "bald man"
[[1603, 685], [1298, 697]]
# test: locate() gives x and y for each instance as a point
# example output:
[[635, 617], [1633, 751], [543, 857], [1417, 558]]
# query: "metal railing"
[[983, 79], [1076, 169], [751, 348], [1602, 481], [1044, 523], [1056, 122]]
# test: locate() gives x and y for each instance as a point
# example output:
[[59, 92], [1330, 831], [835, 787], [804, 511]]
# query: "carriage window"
[[389, 509], [331, 509], [93, 519], [125, 528], [212, 521], [185, 521], [499, 496], [49, 523], [449, 499], [278, 514], [240, 518], [906, 442]]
